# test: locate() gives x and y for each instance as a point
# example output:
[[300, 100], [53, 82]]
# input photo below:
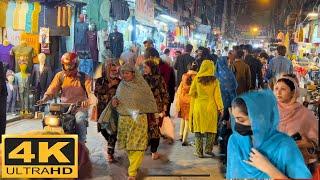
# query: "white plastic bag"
[[167, 128]]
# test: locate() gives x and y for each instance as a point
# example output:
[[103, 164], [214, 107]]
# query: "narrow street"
[[177, 162]]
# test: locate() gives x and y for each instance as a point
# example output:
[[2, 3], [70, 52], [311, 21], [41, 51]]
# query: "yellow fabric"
[[69, 16], [287, 42], [22, 13], [32, 41], [207, 68], [300, 35], [59, 16], [16, 18], [206, 100], [3, 11], [35, 17], [135, 159]]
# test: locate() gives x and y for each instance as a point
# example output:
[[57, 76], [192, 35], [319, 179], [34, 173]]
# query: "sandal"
[[155, 156], [110, 158]]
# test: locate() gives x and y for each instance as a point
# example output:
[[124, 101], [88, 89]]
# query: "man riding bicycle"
[[75, 87]]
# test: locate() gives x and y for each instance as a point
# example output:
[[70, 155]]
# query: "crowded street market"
[[161, 89]]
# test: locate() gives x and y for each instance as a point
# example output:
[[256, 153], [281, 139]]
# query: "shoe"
[[131, 178], [198, 155], [110, 158], [180, 138], [155, 156], [185, 144], [210, 153]]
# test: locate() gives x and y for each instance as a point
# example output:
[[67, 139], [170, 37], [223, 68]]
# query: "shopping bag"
[[167, 128], [94, 114], [174, 111]]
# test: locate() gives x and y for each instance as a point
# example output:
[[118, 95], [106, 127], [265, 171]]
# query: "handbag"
[[94, 114], [167, 128], [108, 119]]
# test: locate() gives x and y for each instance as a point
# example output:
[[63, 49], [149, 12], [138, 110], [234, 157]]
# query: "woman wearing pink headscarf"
[[295, 118]]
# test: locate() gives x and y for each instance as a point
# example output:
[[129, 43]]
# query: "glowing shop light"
[[313, 14], [169, 18]]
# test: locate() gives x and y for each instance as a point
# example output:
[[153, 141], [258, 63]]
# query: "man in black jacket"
[[255, 67], [182, 63]]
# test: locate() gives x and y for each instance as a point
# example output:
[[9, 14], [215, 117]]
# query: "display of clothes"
[[5, 56], [49, 18], [86, 66], [80, 32], [19, 15], [23, 89], [119, 10], [9, 18], [3, 10], [12, 90], [93, 46], [64, 16], [41, 78], [116, 44], [23, 53], [102, 41], [28, 17], [32, 40]]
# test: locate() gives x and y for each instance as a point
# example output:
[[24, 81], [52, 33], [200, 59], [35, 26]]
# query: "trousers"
[[81, 125], [135, 160], [184, 130], [199, 142]]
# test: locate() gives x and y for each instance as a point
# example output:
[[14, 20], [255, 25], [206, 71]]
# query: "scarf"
[[135, 96]]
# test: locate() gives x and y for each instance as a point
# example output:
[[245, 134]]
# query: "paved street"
[[177, 162]]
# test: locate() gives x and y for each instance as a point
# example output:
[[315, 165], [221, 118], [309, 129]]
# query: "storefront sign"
[[145, 11], [44, 40]]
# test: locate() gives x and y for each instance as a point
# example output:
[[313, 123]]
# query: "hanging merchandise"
[[80, 32], [44, 40], [28, 17], [64, 16], [12, 36], [20, 14], [119, 10], [105, 10], [102, 44], [92, 42], [144, 11], [300, 35], [9, 15], [116, 43], [3, 10], [35, 17]]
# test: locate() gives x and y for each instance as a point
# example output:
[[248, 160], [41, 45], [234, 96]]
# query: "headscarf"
[[277, 147], [207, 68], [135, 96], [228, 82], [294, 117]]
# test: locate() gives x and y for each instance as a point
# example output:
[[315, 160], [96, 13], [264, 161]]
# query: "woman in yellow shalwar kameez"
[[206, 104]]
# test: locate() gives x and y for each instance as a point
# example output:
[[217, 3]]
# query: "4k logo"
[[41, 156]]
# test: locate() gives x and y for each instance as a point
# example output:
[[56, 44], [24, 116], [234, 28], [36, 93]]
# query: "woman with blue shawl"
[[228, 87], [257, 149]]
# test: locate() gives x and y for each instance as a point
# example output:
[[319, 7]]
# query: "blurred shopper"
[[206, 104], [228, 86], [158, 87], [182, 62], [242, 72], [256, 149], [133, 101], [263, 57], [130, 55], [166, 57], [183, 102], [279, 65], [295, 118], [105, 89], [255, 67]]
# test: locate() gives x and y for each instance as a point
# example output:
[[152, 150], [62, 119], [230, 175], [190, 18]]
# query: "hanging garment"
[[12, 97], [63, 16], [32, 41], [23, 53], [3, 10], [80, 32], [28, 17], [10, 14], [101, 41], [86, 66], [105, 10], [20, 14], [35, 18], [13, 36], [5, 56], [116, 44], [93, 46], [119, 10]]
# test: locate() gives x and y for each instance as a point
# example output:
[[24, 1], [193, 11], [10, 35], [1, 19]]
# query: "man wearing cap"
[[73, 90]]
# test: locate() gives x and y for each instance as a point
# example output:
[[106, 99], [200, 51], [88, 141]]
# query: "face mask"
[[243, 129]]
